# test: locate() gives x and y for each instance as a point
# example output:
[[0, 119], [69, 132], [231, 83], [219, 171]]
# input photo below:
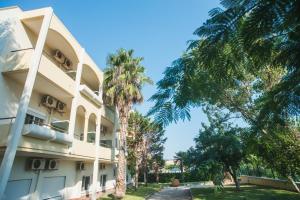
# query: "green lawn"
[[140, 194], [248, 192]]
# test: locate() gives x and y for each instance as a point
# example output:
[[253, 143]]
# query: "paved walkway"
[[171, 193]]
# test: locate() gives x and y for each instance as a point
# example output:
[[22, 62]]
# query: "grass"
[[138, 194], [248, 192]]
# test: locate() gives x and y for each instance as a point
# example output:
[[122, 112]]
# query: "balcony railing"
[[109, 114], [92, 95], [106, 143], [47, 132], [91, 137], [79, 136]]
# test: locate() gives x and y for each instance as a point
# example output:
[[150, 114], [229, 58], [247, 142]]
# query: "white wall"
[[12, 37], [66, 168], [110, 179]]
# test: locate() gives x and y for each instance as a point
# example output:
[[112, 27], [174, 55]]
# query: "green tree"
[[138, 127], [123, 81], [145, 143], [245, 61], [156, 149], [220, 142]]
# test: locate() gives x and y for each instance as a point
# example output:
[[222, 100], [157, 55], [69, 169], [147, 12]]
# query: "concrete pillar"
[[15, 132], [86, 126], [100, 90], [96, 161], [75, 99]]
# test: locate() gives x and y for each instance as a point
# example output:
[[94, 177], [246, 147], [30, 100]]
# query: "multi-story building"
[[67, 147]]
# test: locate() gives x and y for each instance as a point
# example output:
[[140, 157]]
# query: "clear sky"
[[157, 30]]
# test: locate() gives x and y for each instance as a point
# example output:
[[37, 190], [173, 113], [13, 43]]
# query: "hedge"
[[166, 177]]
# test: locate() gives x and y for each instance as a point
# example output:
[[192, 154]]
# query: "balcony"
[[83, 149], [106, 147], [50, 73], [109, 114], [105, 153], [90, 84], [37, 138], [90, 94], [46, 132]]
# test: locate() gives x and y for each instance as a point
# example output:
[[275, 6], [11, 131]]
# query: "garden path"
[[172, 193]]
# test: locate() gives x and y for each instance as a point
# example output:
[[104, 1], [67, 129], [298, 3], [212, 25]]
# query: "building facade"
[[68, 140]]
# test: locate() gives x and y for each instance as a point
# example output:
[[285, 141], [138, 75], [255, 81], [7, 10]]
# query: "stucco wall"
[[66, 168], [275, 183], [110, 184]]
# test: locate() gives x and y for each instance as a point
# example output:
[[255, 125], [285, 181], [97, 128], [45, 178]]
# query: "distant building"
[[171, 167]]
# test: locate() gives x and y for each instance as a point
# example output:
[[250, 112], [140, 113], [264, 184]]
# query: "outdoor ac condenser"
[[36, 164]]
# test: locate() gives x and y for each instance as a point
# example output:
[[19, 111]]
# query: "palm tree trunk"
[[181, 171], [121, 178]]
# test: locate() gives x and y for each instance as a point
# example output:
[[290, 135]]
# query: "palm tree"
[[123, 81], [179, 159]]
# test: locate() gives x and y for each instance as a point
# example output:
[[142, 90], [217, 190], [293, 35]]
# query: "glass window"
[[103, 180], [31, 119], [85, 184]]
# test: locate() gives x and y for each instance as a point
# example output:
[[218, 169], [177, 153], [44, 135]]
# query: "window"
[[102, 166], [91, 137], [85, 184], [31, 119], [114, 171], [116, 143], [106, 143], [103, 180]]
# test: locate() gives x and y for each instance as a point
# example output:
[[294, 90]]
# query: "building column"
[[86, 126], [75, 99], [15, 132], [100, 91], [96, 161]]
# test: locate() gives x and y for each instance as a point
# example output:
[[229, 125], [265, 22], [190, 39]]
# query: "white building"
[[63, 136]]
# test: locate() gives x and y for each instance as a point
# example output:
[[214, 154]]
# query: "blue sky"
[[157, 30]]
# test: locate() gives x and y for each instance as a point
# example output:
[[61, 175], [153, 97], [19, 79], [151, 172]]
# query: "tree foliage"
[[220, 143], [145, 143], [245, 60]]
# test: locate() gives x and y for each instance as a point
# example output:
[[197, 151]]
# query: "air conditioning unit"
[[60, 107], [49, 101], [52, 164], [59, 56], [80, 166], [67, 64], [36, 164]]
